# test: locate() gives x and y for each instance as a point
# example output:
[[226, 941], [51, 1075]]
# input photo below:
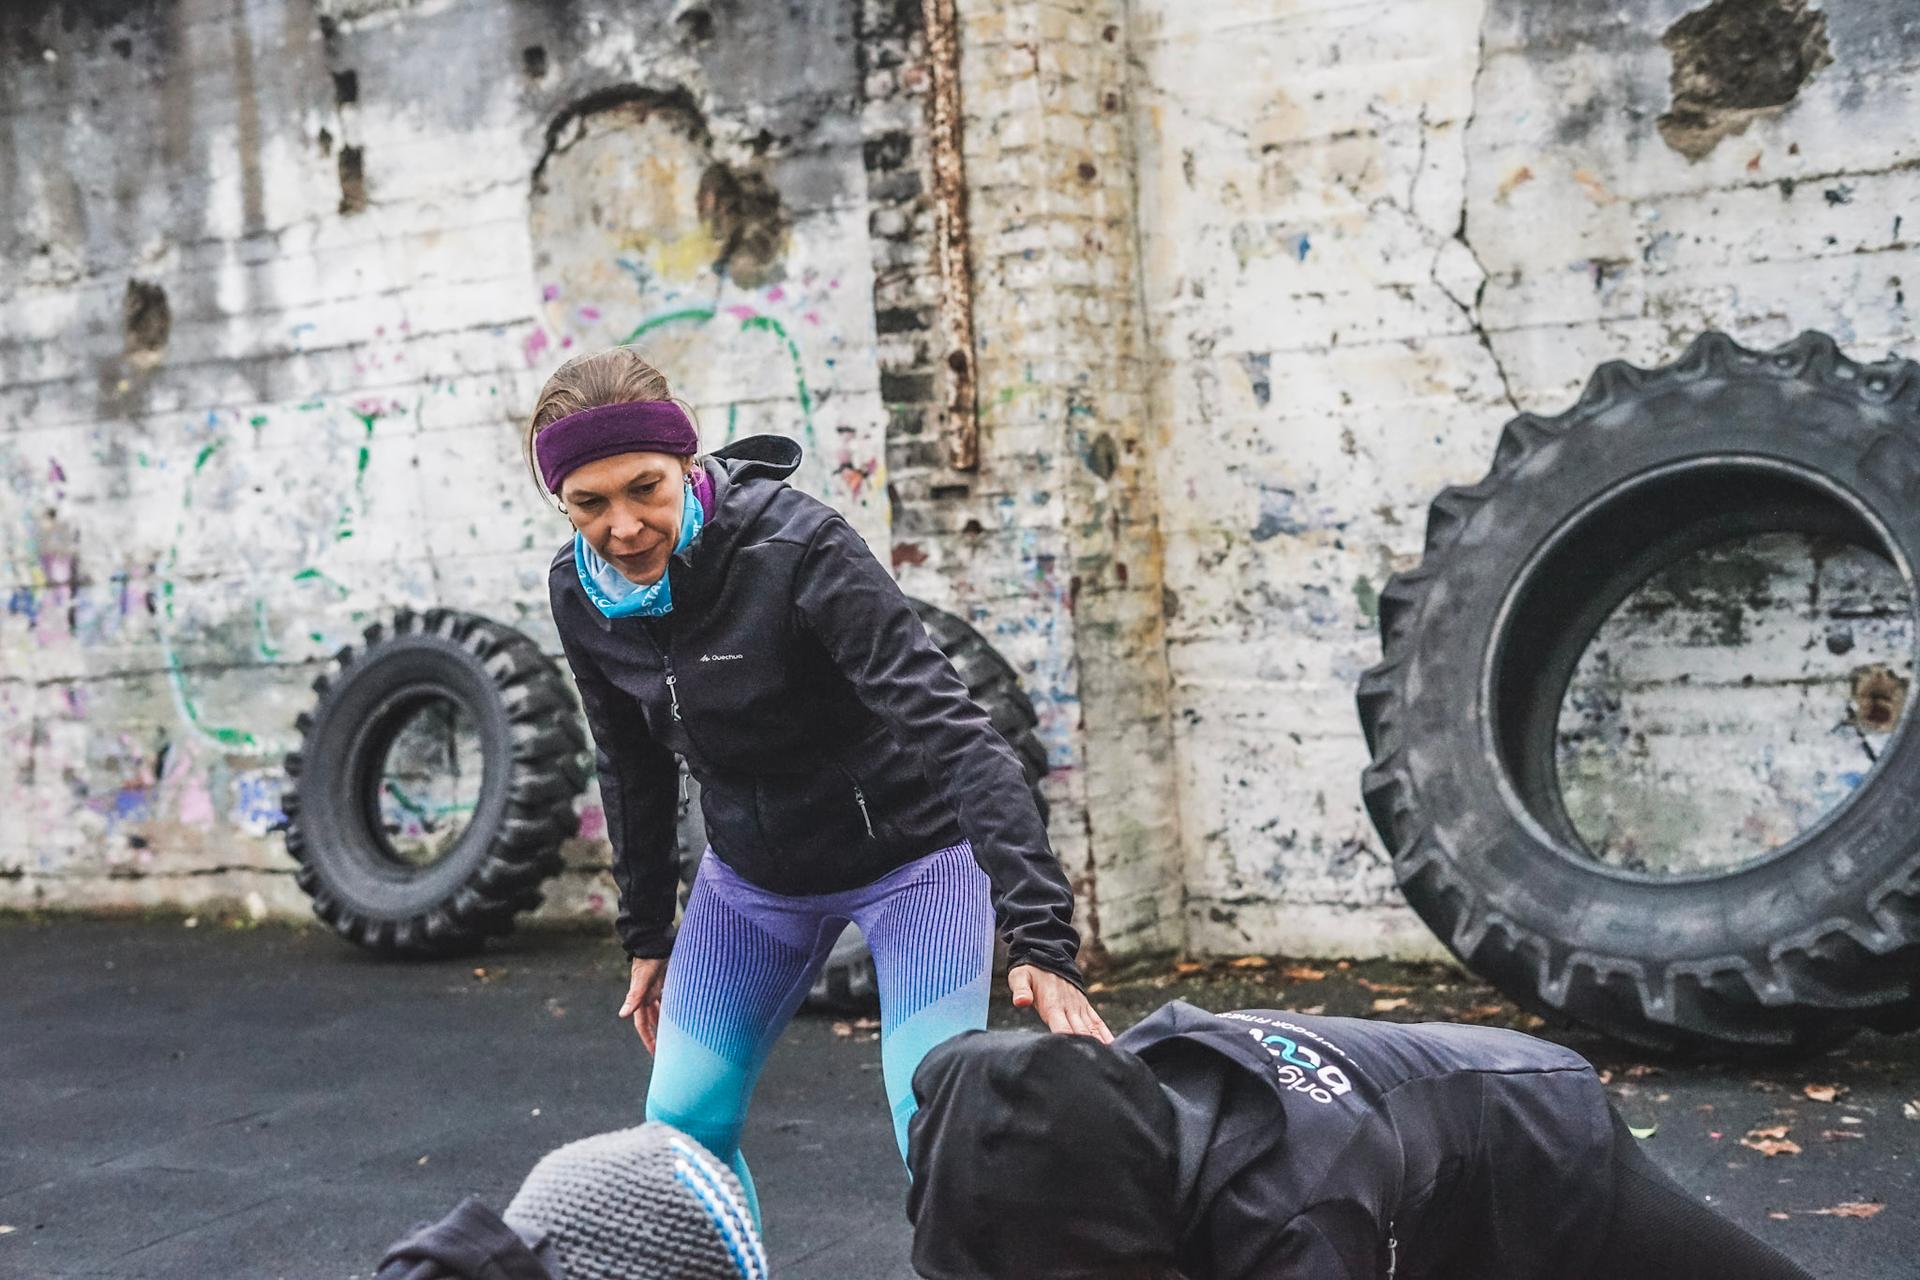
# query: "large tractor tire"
[[1784, 953], [847, 982], [385, 867]]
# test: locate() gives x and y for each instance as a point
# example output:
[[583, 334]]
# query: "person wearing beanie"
[[709, 610], [1267, 1145], [645, 1203]]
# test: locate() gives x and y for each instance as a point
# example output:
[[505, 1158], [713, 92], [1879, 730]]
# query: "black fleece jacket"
[[832, 740]]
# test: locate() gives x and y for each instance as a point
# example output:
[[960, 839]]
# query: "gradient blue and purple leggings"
[[745, 958]]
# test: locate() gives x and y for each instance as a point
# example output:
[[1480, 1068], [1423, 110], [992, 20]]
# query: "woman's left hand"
[[1060, 1004]]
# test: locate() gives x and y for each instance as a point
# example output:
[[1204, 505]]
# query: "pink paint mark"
[[380, 331], [740, 312], [54, 473], [549, 292], [812, 317], [597, 903], [589, 313], [535, 346], [833, 284], [196, 803], [566, 342], [776, 293], [593, 823], [406, 327]]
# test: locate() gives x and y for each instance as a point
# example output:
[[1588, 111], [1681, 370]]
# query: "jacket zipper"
[[670, 689], [1393, 1253], [860, 798]]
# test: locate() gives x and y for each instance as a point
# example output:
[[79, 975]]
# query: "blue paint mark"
[[1257, 364], [1277, 515], [131, 802], [256, 802], [1300, 247], [1852, 779], [24, 602]]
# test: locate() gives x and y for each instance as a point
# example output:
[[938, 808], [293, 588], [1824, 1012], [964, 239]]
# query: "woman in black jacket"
[[711, 611], [1266, 1145]]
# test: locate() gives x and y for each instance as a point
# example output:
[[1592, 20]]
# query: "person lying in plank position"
[[1267, 1145]]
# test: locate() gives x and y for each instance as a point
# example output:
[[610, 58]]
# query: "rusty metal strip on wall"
[[962, 428]]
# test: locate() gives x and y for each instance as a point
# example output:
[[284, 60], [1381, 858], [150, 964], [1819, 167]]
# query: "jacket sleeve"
[[1327, 1242], [639, 781], [851, 604]]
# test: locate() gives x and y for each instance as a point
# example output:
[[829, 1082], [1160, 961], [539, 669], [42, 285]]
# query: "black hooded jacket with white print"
[[1318, 1148]]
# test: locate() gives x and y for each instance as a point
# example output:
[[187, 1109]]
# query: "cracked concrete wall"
[[278, 287], [1372, 231]]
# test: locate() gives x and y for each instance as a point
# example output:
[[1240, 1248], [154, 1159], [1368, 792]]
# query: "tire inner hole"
[[429, 781], [1701, 671]]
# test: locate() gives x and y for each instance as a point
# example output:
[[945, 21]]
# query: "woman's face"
[[628, 508]]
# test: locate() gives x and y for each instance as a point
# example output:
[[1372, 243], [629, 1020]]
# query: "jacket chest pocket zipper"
[[1393, 1253], [860, 798], [672, 695]]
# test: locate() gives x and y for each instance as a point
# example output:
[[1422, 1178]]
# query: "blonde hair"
[[618, 375]]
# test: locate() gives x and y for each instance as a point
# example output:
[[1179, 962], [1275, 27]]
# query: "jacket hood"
[[1043, 1157], [759, 458]]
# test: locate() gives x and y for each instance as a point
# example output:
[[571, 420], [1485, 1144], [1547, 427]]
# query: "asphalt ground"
[[270, 1102]]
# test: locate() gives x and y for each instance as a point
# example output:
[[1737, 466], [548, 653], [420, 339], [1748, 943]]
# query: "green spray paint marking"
[[1367, 598], [262, 644], [763, 324], [314, 575], [176, 674]]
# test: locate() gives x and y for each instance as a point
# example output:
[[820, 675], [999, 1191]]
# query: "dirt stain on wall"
[[1736, 61]]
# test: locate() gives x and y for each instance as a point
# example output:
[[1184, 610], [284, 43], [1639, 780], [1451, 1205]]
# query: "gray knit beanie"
[[647, 1203]]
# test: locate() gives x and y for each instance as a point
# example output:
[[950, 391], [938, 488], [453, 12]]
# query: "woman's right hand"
[[644, 984]]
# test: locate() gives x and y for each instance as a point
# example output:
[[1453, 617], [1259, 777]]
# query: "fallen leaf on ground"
[[843, 1029], [1851, 1120], [1841, 1135], [1481, 1012], [1606, 1077], [1314, 1010], [1095, 988], [422, 1160], [1343, 965], [1911, 1110], [1771, 1141], [1249, 962], [865, 1024], [1850, 1209], [1302, 973], [1188, 966], [1385, 988], [1644, 1134], [1778, 1216], [1824, 1092], [1640, 1071], [1386, 1005], [1533, 1022]]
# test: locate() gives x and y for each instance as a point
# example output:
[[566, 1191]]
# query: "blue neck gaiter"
[[611, 591]]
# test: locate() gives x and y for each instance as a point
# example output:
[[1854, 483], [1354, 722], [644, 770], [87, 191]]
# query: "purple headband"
[[638, 426]]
